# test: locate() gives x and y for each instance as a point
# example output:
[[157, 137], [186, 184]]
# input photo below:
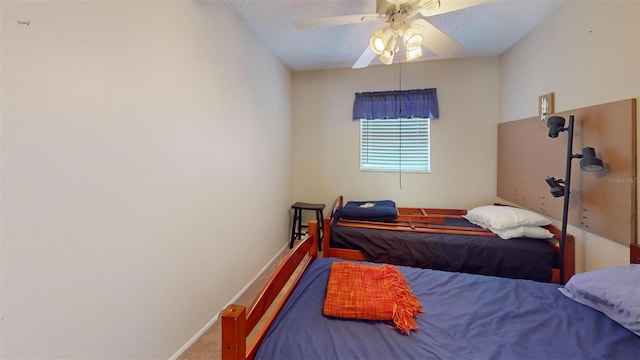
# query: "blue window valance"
[[403, 104]]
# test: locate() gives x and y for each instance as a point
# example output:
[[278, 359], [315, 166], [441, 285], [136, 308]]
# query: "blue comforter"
[[466, 317]]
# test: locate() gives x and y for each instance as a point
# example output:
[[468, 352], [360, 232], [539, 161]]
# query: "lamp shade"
[[380, 40], [589, 161], [555, 125], [387, 55], [556, 187], [413, 54], [412, 39]]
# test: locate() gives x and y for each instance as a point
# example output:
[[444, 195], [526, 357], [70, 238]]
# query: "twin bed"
[[466, 316], [440, 239]]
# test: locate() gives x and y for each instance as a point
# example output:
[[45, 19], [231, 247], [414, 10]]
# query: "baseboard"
[[234, 299], [194, 338]]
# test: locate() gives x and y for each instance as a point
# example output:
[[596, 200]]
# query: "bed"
[[442, 239], [466, 316]]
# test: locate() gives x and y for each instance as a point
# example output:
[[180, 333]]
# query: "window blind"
[[394, 145]]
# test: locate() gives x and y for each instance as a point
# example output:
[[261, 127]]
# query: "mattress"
[[466, 317], [519, 258]]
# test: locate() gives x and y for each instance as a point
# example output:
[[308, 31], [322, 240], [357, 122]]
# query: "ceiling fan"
[[408, 23]]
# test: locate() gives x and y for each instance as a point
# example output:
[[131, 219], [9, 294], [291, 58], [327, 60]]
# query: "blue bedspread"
[[466, 317]]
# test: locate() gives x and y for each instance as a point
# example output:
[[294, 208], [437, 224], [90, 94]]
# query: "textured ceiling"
[[483, 30]]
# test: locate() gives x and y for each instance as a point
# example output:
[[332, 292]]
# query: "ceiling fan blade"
[[435, 40], [336, 20], [365, 59], [424, 5], [451, 5]]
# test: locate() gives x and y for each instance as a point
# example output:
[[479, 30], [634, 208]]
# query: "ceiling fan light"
[[412, 40], [377, 45], [389, 52], [391, 47], [413, 54], [377, 42], [386, 57], [380, 40]]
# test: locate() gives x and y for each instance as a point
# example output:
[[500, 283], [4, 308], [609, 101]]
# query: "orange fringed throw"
[[367, 292]]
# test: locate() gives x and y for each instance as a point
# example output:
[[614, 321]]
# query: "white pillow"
[[535, 232], [504, 217], [613, 291]]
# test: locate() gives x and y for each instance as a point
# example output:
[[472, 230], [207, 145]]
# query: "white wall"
[[463, 143], [587, 53], [146, 148]]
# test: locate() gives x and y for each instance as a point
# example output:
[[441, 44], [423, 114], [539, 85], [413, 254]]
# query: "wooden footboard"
[[350, 254], [238, 322], [634, 254]]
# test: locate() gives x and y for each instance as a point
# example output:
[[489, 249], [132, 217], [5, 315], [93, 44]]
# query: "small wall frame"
[[545, 106]]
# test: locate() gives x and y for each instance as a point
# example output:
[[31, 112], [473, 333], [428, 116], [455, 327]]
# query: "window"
[[394, 129], [395, 145]]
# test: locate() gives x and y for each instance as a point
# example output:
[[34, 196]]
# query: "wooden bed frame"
[[238, 322], [426, 220]]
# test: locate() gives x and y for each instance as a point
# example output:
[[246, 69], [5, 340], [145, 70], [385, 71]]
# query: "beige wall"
[[463, 143], [144, 152], [587, 53]]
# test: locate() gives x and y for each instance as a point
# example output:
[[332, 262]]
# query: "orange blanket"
[[367, 292]]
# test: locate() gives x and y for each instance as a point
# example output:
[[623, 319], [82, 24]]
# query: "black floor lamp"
[[560, 187]]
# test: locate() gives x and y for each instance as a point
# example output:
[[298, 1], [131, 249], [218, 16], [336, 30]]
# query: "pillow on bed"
[[535, 232], [613, 291], [504, 217]]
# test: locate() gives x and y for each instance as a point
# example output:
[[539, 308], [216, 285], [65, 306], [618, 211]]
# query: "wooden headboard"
[[603, 202]]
